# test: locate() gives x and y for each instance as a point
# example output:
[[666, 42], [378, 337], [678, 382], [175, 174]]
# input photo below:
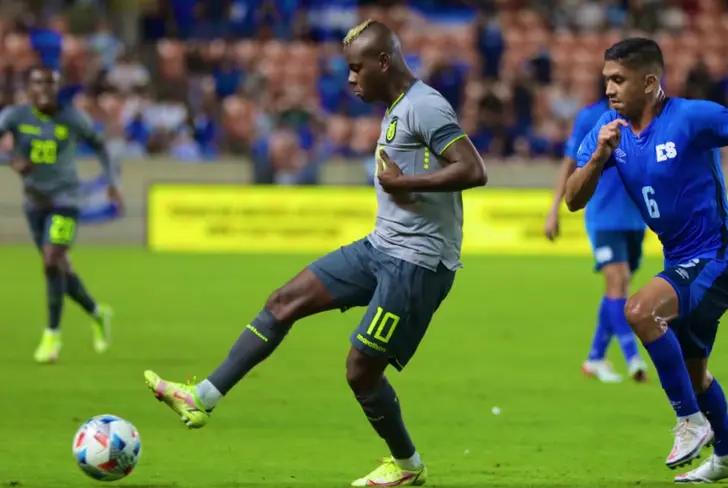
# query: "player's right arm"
[[594, 153], [8, 120], [9, 123], [568, 165]]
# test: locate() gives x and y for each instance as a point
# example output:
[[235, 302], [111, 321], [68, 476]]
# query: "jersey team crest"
[[391, 130]]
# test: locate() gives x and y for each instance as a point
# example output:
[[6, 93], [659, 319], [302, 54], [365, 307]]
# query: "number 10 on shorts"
[[383, 325]]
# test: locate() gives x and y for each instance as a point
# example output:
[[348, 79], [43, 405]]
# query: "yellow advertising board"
[[263, 219]]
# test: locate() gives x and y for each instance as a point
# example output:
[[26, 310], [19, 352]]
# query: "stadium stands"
[[233, 78]]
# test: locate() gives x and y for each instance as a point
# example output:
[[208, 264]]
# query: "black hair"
[[636, 53]]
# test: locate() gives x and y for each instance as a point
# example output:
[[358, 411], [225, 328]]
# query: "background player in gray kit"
[[401, 272], [44, 153]]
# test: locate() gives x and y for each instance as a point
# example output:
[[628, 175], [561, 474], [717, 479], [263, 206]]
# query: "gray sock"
[[382, 409], [259, 339], [79, 294], [56, 289]]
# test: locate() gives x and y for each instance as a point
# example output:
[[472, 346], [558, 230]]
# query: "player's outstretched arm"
[[579, 131], [551, 228], [85, 130], [592, 157]]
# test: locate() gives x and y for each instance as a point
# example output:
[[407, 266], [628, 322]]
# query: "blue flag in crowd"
[[95, 205]]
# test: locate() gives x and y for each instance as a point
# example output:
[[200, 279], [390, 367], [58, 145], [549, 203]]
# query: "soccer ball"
[[107, 447]]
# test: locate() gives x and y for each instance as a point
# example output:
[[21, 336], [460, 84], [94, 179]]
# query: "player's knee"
[[278, 303], [52, 261], [640, 317], [288, 304], [361, 377]]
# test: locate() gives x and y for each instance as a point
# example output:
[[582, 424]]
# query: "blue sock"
[[602, 335], [674, 377], [625, 336], [713, 405]]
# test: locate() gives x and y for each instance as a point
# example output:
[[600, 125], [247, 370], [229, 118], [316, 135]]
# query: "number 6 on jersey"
[[652, 209]]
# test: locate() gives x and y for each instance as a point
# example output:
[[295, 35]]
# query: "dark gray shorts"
[[53, 225], [401, 297]]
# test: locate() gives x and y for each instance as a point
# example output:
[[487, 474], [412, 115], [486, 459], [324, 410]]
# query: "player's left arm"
[[434, 120], [708, 124], [85, 130]]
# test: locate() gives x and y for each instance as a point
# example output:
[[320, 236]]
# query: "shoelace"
[[386, 466], [683, 430]]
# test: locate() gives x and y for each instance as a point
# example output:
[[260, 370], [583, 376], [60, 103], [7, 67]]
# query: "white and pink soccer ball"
[[107, 447]]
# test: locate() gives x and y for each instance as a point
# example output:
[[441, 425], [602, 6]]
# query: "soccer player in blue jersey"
[[616, 231], [666, 153]]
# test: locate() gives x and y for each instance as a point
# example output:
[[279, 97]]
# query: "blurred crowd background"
[[200, 80]]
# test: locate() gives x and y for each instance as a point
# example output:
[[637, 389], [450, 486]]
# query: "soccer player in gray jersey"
[[44, 153], [401, 272]]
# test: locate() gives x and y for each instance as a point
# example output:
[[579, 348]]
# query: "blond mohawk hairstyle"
[[356, 31]]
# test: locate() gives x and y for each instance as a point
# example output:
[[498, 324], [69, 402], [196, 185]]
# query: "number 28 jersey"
[[49, 142], [672, 171]]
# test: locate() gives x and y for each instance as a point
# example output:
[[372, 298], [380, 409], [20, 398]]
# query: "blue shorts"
[[617, 246], [52, 225], [401, 297], [702, 290]]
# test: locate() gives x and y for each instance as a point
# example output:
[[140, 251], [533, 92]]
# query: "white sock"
[[414, 463], [55, 332], [208, 394], [696, 418]]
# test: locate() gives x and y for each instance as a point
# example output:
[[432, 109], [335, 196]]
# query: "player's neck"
[[400, 85], [47, 112], [651, 111]]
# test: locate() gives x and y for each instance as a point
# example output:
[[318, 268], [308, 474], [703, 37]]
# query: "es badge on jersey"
[[391, 130]]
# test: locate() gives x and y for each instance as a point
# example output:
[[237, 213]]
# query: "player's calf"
[[647, 313], [381, 406], [302, 296], [50, 344]]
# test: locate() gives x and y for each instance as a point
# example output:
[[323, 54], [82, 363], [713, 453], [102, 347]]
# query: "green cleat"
[[389, 473], [49, 347], [102, 328], [180, 398]]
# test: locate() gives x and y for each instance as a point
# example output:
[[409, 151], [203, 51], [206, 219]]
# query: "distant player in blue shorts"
[[666, 151], [401, 272], [616, 231]]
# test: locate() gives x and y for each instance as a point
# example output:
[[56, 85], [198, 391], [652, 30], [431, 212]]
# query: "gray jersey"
[[422, 228], [50, 144]]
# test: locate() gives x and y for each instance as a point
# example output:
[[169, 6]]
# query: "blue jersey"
[[672, 171], [611, 207]]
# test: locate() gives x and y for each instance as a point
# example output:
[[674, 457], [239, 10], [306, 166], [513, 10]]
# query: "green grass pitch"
[[511, 335]]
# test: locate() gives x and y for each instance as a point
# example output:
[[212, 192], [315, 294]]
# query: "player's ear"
[[652, 84], [384, 61]]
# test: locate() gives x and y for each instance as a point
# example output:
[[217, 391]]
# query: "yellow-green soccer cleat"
[[102, 328], [389, 473], [180, 398], [49, 347]]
